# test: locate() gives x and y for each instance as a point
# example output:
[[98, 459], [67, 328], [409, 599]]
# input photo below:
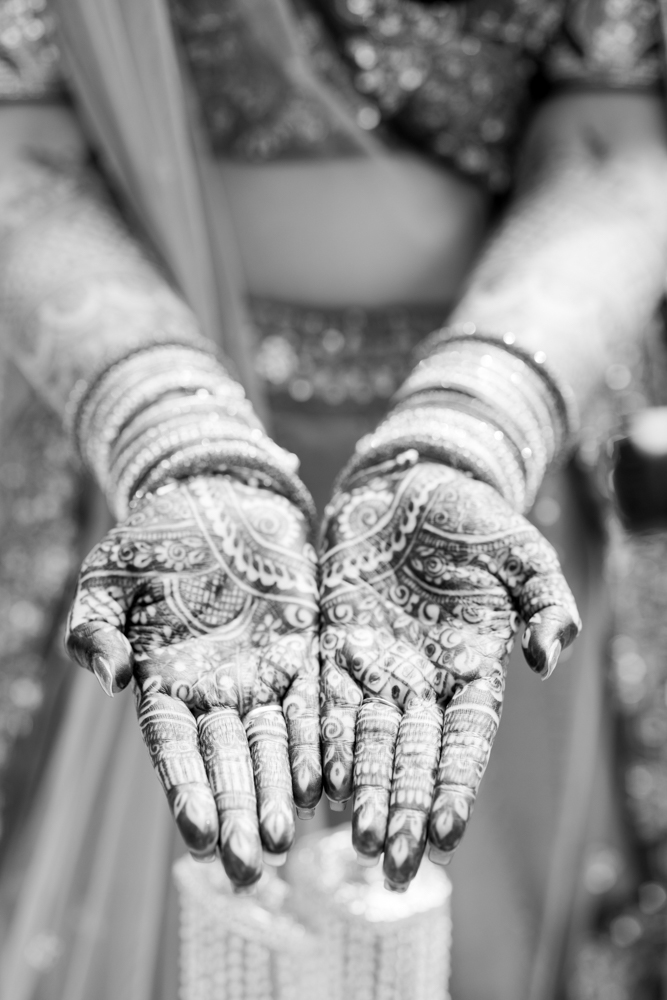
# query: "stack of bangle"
[[481, 404], [168, 411]]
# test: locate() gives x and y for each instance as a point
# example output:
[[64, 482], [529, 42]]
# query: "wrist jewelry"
[[169, 411], [481, 404]]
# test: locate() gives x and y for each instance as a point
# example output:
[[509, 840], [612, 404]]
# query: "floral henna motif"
[[426, 574], [213, 583]]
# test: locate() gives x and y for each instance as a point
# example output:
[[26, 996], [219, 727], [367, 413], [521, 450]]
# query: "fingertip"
[[241, 851], [106, 652], [448, 822], [547, 634], [194, 810], [274, 860], [395, 886], [336, 806], [439, 857]]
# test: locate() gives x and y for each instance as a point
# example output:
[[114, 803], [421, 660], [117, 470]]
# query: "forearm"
[[76, 289], [578, 266], [96, 328]]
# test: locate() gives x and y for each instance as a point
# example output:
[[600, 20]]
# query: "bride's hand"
[[213, 584], [426, 574]]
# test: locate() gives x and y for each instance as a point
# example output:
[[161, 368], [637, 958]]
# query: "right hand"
[[206, 594]]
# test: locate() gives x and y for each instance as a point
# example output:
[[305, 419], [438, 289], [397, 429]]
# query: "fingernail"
[[102, 671], [554, 654], [394, 887], [365, 861], [203, 859], [305, 813], [337, 807], [274, 860], [245, 890], [439, 857]]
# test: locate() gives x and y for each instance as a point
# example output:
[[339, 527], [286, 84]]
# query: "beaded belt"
[[327, 357]]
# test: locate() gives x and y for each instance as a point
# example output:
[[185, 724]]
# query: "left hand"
[[426, 574]]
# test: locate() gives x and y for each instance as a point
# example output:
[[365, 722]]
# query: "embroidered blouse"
[[453, 79]]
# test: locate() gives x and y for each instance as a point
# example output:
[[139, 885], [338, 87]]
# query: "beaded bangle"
[[169, 411], [480, 404], [559, 392], [83, 388], [453, 438], [241, 460]]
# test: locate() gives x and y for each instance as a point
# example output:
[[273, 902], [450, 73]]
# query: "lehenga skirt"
[[87, 908]]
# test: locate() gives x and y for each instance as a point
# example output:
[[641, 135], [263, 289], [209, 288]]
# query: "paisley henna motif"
[[213, 583], [426, 574]]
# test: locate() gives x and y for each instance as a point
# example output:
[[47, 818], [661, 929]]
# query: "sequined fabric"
[[609, 43], [454, 79], [29, 58], [39, 548], [252, 108], [325, 358]]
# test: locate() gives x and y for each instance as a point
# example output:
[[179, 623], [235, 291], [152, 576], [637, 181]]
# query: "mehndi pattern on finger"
[[426, 575]]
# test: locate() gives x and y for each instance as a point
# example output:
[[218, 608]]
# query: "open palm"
[[213, 584], [426, 574]]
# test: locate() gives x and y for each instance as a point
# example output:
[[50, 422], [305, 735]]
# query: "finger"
[[301, 711], [546, 635], [377, 730], [224, 747], [341, 701], [95, 638], [95, 628], [470, 726], [533, 576], [267, 738], [170, 733], [413, 783]]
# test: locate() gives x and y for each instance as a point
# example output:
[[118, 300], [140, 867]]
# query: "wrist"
[[169, 412], [479, 404]]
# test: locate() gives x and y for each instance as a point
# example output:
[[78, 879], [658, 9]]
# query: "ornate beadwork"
[[477, 403], [613, 43], [330, 357], [253, 110], [29, 57]]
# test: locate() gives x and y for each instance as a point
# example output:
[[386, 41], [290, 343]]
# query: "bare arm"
[[578, 266]]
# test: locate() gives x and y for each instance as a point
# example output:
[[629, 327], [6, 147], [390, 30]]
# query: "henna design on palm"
[[426, 574], [206, 594]]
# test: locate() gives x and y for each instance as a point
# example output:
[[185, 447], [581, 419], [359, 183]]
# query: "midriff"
[[371, 232]]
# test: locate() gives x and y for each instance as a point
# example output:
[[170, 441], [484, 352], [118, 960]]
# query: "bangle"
[[170, 411], [559, 393], [480, 404], [242, 460]]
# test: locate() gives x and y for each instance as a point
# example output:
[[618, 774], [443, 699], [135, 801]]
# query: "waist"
[[375, 231], [321, 359]]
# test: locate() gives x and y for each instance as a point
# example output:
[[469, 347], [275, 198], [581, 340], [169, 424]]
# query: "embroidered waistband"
[[29, 58], [335, 356]]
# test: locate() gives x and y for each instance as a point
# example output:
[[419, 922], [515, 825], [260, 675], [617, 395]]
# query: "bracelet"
[[243, 461], [168, 411], [451, 437], [480, 404], [558, 391]]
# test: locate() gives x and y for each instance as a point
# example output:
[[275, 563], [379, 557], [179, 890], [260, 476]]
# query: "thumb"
[[95, 636], [544, 601], [548, 632]]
